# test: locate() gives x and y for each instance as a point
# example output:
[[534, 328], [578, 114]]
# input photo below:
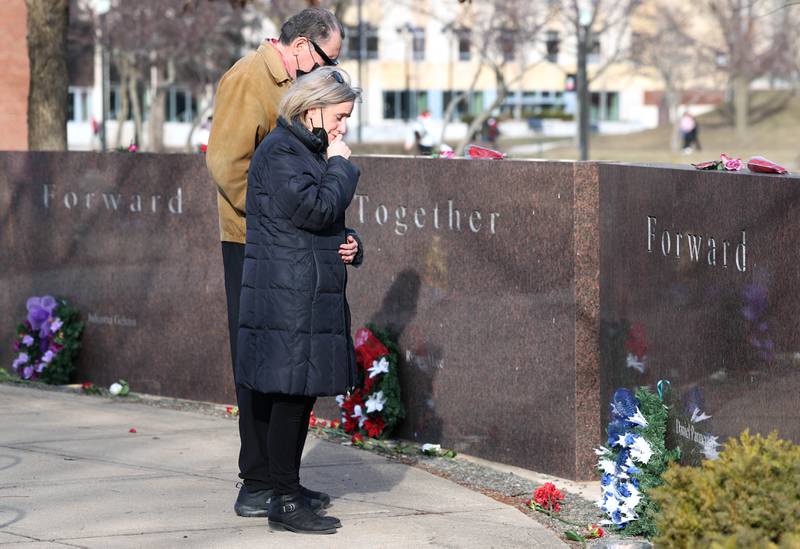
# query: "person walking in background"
[[299, 185], [246, 110], [421, 136], [690, 132]]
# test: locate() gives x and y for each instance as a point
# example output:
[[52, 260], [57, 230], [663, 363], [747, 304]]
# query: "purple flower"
[[40, 309], [40, 367], [56, 325], [27, 372], [755, 298], [48, 357], [27, 340], [21, 359]]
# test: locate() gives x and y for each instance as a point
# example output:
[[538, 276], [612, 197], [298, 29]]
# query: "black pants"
[[256, 409], [288, 428]]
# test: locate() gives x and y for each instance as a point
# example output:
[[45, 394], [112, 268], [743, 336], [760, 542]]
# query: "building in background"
[[418, 56], [14, 76]]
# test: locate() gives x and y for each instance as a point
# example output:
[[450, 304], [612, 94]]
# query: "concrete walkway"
[[72, 475]]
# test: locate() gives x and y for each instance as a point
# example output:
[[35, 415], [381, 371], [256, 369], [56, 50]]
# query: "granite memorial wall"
[[700, 287], [521, 293]]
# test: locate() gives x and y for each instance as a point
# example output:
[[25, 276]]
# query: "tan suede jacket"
[[245, 111]]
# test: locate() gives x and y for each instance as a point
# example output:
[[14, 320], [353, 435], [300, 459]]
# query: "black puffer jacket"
[[294, 322]]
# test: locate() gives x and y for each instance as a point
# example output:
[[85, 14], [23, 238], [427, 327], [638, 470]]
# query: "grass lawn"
[[775, 135]]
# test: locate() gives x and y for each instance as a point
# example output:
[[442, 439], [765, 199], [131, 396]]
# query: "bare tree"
[[661, 43], [595, 22], [157, 44], [48, 21], [750, 39], [504, 34]]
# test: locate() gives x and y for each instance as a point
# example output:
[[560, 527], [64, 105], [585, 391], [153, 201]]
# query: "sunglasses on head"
[[338, 77], [325, 59]]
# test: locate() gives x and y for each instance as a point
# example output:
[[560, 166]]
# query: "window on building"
[[535, 104], [638, 45], [353, 42], [71, 110], [464, 44], [552, 43], [594, 50], [506, 43], [181, 106], [79, 104], [604, 106], [460, 107], [115, 104], [404, 105], [418, 43]]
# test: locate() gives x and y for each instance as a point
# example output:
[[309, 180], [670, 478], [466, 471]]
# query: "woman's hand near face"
[[337, 147]]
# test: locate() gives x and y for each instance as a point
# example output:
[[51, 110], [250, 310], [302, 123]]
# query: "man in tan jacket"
[[245, 111]]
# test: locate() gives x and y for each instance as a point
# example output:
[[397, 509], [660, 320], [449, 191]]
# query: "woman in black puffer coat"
[[294, 323]]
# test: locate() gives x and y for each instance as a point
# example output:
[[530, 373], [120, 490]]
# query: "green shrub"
[[749, 497]]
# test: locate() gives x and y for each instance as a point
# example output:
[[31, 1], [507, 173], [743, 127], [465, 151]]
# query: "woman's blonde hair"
[[320, 88]]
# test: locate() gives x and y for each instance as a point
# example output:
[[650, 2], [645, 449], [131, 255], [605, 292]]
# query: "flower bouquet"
[[633, 460], [47, 341], [373, 408]]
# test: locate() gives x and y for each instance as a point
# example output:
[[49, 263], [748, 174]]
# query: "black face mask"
[[320, 132], [300, 72]]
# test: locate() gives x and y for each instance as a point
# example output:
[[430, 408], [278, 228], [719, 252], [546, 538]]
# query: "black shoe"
[[291, 512], [255, 503], [252, 503], [317, 500]]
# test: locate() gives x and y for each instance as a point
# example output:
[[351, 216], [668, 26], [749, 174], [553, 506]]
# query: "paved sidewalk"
[[71, 475]]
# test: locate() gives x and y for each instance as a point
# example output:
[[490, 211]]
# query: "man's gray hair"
[[319, 88], [316, 24]]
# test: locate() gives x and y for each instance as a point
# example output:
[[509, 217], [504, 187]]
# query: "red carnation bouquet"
[[546, 498]]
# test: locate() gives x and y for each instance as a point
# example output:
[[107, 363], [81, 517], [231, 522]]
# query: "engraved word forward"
[[699, 248], [112, 201]]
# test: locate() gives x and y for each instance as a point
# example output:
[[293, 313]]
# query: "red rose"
[[594, 532], [374, 427], [312, 420], [350, 426], [368, 381], [357, 440], [368, 348], [636, 344], [335, 424]]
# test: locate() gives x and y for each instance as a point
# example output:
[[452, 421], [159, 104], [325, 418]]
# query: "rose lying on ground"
[[120, 388]]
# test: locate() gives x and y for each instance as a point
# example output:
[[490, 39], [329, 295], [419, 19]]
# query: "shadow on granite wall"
[[397, 312]]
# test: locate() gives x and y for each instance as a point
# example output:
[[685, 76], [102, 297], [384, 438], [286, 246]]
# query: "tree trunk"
[[448, 112], [155, 122], [741, 103], [133, 91], [124, 104], [671, 97], [583, 94], [476, 125], [205, 107], [49, 82]]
